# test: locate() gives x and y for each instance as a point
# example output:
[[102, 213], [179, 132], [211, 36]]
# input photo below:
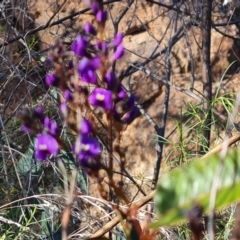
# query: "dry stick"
[[117, 219], [218, 148], [206, 72], [161, 130], [148, 198]]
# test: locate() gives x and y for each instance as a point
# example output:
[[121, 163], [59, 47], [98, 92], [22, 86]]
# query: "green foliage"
[[1, 28], [69, 161], [189, 185], [120, 235], [27, 164], [49, 221]]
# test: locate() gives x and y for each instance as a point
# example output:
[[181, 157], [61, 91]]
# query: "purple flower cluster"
[[96, 58], [87, 148], [47, 134], [109, 91]]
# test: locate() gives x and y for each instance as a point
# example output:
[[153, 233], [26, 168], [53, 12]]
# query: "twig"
[[218, 148], [117, 219], [206, 72]]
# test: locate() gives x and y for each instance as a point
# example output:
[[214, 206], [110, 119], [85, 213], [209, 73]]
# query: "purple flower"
[[121, 93], [95, 7], [101, 97], [118, 39], [101, 16], [79, 47], [102, 46], [38, 113], [70, 65], [129, 116], [90, 148], [27, 127], [89, 29], [110, 79], [51, 126], [46, 145], [64, 109], [130, 102], [86, 127], [87, 69], [49, 61], [118, 53], [68, 95], [51, 80]]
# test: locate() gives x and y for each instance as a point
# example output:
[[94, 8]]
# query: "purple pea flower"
[[64, 109], [102, 46], [70, 65], [86, 127], [130, 102], [38, 113], [101, 98], [27, 127], [121, 93], [87, 69], [79, 47], [95, 7], [118, 53], [46, 145], [129, 116], [49, 61], [101, 16], [110, 79], [90, 148], [89, 29], [51, 126], [68, 95], [118, 39], [51, 80]]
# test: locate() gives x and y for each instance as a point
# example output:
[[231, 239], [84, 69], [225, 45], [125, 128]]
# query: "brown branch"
[[206, 72], [117, 219]]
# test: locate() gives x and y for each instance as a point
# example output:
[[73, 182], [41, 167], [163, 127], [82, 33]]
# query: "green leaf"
[[120, 235], [69, 161], [27, 163], [186, 186]]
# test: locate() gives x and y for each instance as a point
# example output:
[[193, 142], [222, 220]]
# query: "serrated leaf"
[[69, 160], [186, 186]]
